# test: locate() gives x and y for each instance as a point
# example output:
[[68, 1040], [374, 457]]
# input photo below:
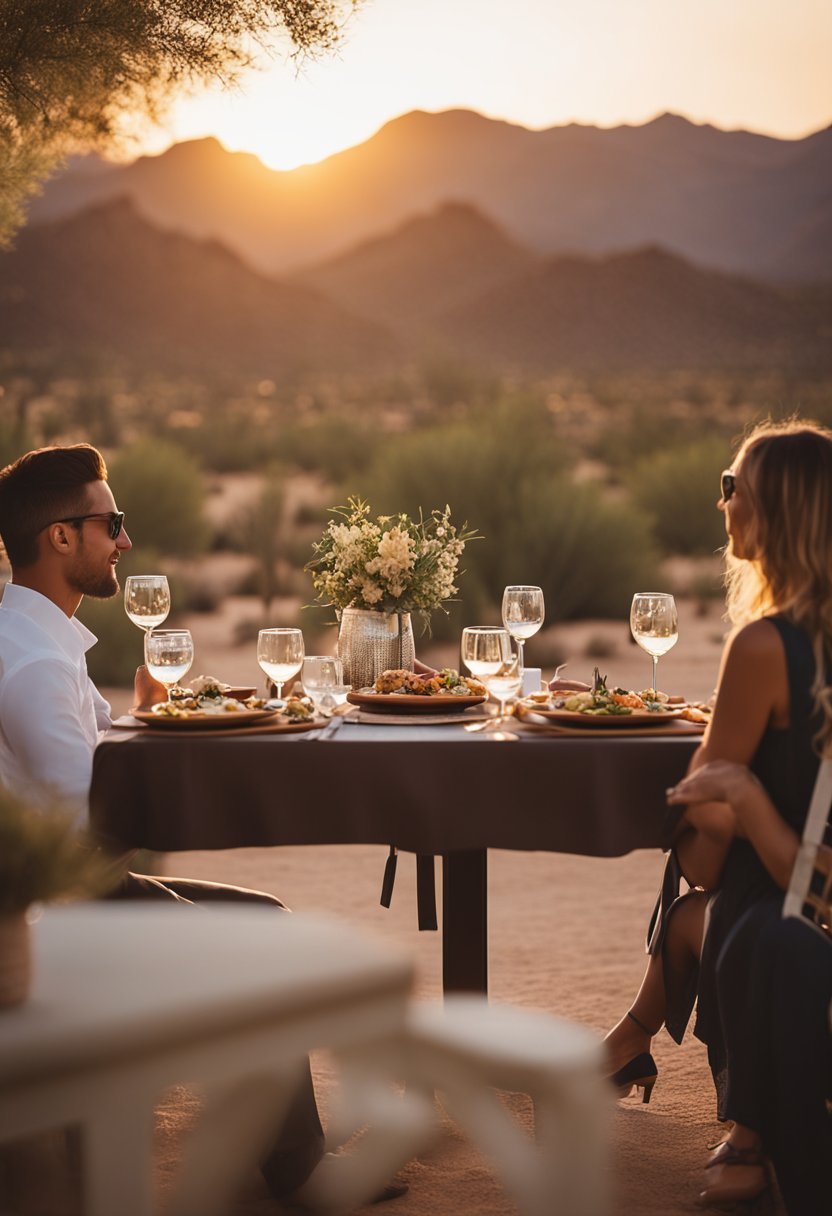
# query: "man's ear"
[[61, 538]]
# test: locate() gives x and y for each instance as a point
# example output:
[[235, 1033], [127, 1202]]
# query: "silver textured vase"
[[372, 642]]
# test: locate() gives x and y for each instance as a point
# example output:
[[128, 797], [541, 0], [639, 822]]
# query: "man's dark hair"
[[41, 488]]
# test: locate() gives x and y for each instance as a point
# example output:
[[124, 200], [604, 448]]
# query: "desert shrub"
[[334, 446], [512, 484], [113, 661], [159, 487], [678, 488], [232, 444]]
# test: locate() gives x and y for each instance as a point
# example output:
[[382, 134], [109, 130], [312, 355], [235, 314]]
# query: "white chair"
[[466, 1049], [810, 887]]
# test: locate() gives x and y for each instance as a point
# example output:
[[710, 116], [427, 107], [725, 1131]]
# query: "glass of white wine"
[[280, 654], [522, 615], [482, 649], [322, 677], [168, 655], [654, 623], [505, 683], [147, 600]]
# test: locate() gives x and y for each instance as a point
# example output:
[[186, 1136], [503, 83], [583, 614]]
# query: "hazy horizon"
[[131, 157]]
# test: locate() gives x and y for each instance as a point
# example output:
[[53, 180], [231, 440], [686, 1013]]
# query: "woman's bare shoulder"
[[757, 641]]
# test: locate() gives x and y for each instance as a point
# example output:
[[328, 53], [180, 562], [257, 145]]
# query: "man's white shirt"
[[51, 713]]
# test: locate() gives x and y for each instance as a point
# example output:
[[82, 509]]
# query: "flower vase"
[[372, 642], [15, 959]]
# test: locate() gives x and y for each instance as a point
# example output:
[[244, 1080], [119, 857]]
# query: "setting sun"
[[600, 63]]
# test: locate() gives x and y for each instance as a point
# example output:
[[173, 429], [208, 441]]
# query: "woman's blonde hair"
[[787, 476]]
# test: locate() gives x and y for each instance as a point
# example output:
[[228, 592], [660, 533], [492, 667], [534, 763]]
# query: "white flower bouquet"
[[389, 564]]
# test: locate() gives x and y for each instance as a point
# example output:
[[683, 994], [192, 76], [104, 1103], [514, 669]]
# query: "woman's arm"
[[775, 842], [752, 690]]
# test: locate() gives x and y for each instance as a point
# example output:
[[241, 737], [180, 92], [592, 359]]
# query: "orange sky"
[[758, 64]]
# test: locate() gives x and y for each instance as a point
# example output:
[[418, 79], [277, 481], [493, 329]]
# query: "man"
[[64, 538]]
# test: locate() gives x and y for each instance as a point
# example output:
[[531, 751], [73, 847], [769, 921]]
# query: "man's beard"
[[95, 584]]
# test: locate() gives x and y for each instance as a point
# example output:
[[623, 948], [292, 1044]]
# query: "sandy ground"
[[566, 935]]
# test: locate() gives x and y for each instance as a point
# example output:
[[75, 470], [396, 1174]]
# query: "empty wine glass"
[[280, 654], [147, 600], [322, 677], [654, 623], [168, 655], [522, 615]]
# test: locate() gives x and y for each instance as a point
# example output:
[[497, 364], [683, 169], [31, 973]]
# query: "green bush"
[[679, 488], [335, 446], [159, 487], [510, 482], [113, 661]]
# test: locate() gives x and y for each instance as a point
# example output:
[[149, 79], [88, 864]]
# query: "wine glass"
[[168, 655], [147, 600], [322, 678], [481, 649], [654, 623], [506, 682], [280, 654], [522, 615]]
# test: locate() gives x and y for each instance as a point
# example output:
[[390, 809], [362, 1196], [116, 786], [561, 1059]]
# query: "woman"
[[769, 714], [774, 986]]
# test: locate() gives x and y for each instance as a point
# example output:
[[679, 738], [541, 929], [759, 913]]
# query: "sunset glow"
[[761, 66]]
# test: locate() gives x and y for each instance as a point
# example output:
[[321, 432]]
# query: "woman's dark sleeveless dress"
[[787, 766]]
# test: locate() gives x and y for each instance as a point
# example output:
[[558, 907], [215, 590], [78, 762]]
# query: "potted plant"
[[43, 857], [376, 573]]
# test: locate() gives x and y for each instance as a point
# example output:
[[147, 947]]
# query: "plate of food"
[[210, 686], [202, 712], [405, 692], [606, 708]]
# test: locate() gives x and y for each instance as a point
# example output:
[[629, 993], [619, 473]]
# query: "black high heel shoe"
[[641, 1071]]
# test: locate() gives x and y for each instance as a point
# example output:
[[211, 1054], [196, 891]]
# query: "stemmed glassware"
[[322, 678], [522, 615], [654, 623], [482, 649], [147, 600], [487, 653], [280, 654], [505, 683], [168, 655]]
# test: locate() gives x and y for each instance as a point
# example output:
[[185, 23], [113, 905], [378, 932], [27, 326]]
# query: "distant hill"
[[107, 280], [428, 265], [640, 311], [729, 200]]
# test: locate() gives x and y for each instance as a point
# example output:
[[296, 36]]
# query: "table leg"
[[465, 921]]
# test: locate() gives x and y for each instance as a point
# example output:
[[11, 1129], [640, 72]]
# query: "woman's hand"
[[717, 781]]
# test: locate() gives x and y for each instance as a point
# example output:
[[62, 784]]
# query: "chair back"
[[809, 896]]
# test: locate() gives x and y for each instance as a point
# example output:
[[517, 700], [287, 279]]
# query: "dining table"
[[436, 790]]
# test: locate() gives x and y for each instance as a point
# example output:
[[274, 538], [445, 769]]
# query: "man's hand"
[[147, 691]]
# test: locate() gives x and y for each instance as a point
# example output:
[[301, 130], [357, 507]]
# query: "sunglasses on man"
[[115, 521], [727, 485]]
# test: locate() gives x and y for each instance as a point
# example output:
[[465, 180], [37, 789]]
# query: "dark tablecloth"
[[424, 789]]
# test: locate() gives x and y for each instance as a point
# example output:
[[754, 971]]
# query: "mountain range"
[[106, 280], [451, 281], [733, 201]]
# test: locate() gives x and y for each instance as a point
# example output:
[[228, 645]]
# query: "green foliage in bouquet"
[[389, 564], [43, 858]]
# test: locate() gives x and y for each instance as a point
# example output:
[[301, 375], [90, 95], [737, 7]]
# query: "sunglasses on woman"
[[727, 485], [115, 520]]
